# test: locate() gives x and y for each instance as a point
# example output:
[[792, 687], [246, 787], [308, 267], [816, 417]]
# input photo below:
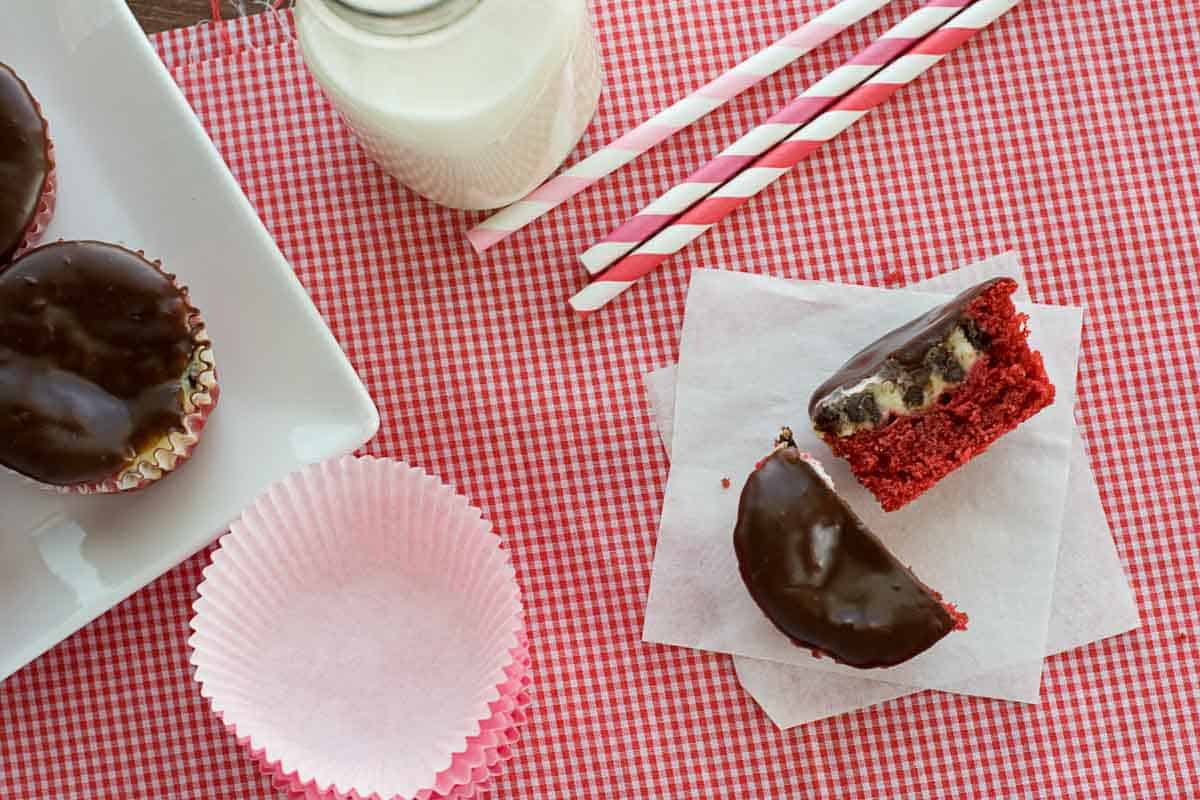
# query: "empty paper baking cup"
[[360, 631], [490, 749]]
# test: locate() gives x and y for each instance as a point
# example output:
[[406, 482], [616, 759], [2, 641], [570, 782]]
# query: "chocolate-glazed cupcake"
[[822, 577], [27, 175], [106, 369]]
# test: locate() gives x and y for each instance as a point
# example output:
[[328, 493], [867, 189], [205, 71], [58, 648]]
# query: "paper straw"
[[713, 95], [784, 156], [802, 110]]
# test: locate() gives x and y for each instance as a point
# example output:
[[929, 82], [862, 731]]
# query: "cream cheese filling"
[[893, 395]]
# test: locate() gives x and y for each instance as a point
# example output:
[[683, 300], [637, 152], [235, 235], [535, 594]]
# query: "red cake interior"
[[1006, 386]]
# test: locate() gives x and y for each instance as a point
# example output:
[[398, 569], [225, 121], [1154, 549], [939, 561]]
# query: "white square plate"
[[136, 168]]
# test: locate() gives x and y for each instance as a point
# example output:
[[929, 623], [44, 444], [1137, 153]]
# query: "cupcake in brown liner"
[[27, 168], [107, 374]]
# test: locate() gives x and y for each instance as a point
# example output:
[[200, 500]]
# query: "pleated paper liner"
[[459, 781], [360, 631], [494, 744]]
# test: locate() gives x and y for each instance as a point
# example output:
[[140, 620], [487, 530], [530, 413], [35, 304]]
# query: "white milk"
[[471, 103]]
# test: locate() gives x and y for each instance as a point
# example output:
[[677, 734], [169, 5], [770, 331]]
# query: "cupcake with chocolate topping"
[[27, 177], [924, 399], [822, 577], [106, 369]]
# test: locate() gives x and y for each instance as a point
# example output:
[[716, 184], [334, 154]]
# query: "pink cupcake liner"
[[493, 746], [360, 633], [466, 784]]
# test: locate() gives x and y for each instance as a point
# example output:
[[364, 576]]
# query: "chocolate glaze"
[[822, 577], [907, 345], [24, 160], [94, 345]]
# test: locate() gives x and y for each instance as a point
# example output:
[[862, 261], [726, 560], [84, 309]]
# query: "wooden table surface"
[[161, 15]]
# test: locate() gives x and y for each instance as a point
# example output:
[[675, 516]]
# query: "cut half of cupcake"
[[107, 374], [927, 397], [822, 577], [27, 169]]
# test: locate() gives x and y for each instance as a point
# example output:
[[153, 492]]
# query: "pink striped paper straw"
[[802, 110], [786, 155], [713, 95]]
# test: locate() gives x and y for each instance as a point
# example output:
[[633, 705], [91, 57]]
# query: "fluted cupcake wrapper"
[[459, 782], [360, 632], [490, 749]]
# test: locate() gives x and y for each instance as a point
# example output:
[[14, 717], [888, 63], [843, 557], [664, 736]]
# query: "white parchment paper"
[[1091, 598], [1092, 601], [987, 536]]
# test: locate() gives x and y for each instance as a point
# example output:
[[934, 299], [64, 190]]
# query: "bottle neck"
[[399, 18]]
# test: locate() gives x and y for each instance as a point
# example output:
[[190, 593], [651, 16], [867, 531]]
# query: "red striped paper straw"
[[713, 95], [786, 155], [802, 110]]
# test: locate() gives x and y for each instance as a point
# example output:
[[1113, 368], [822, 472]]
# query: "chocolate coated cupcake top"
[[95, 345], [24, 160], [906, 345], [822, 577]]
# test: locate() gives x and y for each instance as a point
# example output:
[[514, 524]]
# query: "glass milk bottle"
[[471, 103]]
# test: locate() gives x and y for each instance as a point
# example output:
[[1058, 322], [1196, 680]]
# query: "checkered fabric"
[[1069, 132]]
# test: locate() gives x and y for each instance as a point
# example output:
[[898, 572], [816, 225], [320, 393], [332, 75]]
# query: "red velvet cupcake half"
[[927, 397]]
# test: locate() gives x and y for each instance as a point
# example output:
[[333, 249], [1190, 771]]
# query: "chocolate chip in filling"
[[897, 389]]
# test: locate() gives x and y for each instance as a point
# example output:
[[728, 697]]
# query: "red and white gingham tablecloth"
[[1068, 132]]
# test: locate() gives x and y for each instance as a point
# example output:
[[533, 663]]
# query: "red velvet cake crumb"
[[960, 617]]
